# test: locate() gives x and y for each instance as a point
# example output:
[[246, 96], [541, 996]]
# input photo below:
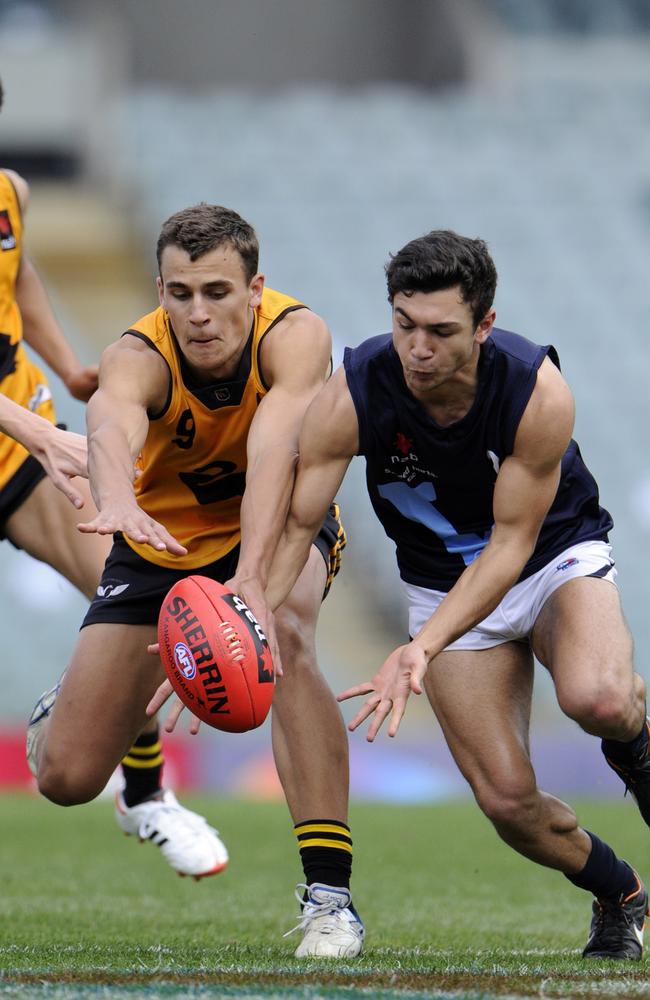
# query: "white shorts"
[[513, 619]]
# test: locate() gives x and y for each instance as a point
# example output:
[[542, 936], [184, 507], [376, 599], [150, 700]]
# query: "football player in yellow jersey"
[[38, 461], [206, 396]]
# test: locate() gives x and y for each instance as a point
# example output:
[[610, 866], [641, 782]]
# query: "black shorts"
[[23, 482], [132, 589]]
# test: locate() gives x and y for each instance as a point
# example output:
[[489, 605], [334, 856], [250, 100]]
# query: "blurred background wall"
[[341, 129]]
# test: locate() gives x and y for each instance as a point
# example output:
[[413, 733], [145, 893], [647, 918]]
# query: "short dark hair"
[[443, 259], [204, 227]]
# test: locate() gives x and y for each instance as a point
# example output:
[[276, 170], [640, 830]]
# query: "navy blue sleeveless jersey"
[[432, 487]]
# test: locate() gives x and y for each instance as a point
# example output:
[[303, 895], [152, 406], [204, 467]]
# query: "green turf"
[[449, 910]]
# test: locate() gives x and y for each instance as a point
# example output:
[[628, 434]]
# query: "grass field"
[[449, 911]]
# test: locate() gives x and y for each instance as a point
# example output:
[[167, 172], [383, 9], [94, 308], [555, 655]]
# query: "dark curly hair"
[[443, 259]]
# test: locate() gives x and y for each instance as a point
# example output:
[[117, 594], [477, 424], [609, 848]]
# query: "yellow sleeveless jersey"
[[20, 379], [194, 459]]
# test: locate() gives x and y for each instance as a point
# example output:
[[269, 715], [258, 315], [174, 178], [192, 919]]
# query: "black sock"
[[604, 874], [142, 769], [326, 851], [624, 753]]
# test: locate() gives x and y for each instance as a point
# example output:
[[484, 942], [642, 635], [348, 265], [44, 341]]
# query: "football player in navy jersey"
[[503, 549]]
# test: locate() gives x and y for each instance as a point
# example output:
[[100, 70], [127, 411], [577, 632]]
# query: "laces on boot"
[[310, 910]]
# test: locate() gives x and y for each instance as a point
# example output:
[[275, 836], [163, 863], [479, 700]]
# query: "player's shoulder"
[[551, 388], [516, 346], [19, 184], [370, 350], [133, 346], [130, 370], [302, 322], [279, 311], [298, 340], [548, 419], [152, 326]]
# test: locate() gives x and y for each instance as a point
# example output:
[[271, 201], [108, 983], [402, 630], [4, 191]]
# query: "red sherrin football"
[[216, 655]]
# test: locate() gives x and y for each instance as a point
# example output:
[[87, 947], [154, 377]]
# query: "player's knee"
[[66, 785], [603, 709], [295, 641], [509, 806]]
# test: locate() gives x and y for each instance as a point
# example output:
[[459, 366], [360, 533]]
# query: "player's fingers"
[[99, 526], [145, 535], [154, 648], [87, 527], [381, 711], [176, 548], [276, 659], [173, 716], [63, 483], [366, 709], [355, 692], [272, 639], [399, 707], [161, 695], [168, 541], [195, 725], [416, 678]]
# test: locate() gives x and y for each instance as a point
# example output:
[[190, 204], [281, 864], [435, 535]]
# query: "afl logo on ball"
[[184, 661]]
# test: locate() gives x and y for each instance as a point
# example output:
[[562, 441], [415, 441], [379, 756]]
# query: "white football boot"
[[37, 720], [332, 926], [188, 843]]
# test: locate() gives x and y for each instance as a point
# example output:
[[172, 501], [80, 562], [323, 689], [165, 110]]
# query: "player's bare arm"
[[295, 361], [133, 381], [43, 333], [21, 188], [328, 441], [62, 454], [40, 327], [524, 491]]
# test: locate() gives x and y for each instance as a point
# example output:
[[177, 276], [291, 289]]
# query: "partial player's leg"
[[44, 525], [112, 674], [487, 732], [311, 754], [98, 712], [309, 736], [482, 700], [582, 638]]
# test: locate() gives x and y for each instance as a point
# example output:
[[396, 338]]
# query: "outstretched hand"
[[389, 690], [131, 520]]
